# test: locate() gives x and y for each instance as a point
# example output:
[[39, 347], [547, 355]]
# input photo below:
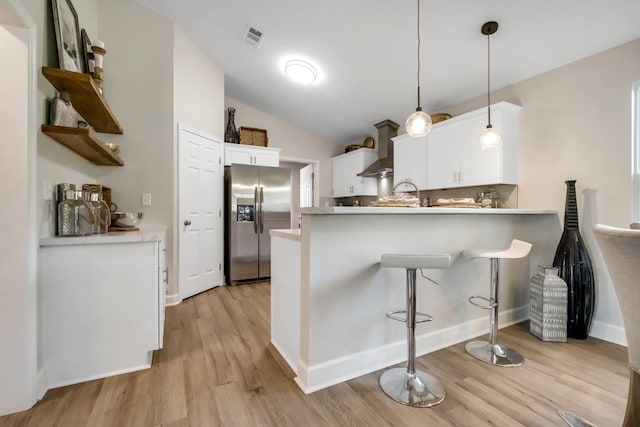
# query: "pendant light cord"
[[489, 79], [418, 54]]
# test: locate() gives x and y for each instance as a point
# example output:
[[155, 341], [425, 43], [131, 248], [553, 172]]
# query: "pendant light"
[[490, 137], [419, 123]]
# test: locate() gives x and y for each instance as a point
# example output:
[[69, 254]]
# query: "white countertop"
[[146, 234], [291, 234], [352, 210]]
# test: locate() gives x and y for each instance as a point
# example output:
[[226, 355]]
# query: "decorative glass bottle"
[[102, 212], [230, 133], [85, 214], [67, 221], [574, 266]]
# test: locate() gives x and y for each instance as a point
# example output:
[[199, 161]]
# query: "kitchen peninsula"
[[331, 295]]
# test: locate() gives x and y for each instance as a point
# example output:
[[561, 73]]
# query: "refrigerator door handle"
[[256, 213], [261, 210]]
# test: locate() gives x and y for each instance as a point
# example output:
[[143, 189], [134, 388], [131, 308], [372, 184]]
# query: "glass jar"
[[85, 214], [67, 223], [102, 212]]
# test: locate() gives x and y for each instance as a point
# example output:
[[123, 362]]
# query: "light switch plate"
[[146, 199]]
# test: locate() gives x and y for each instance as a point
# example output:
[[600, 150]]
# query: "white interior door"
[[306, 186], [200, 195]]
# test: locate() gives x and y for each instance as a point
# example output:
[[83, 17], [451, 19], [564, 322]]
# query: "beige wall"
[[576, 124], [198, 88], [198, 103], [296, 143]]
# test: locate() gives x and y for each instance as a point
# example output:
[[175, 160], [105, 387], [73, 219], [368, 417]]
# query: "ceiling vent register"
[[254, 36]]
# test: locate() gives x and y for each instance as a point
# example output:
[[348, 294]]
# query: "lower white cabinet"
[[345, 169], [102, 308], [410, 162], [251, 155], [456, 159]]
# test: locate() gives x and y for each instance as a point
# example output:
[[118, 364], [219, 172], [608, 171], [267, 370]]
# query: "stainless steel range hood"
[[387, 129]]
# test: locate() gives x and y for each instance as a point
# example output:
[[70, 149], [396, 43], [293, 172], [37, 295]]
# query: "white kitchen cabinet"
[[455, 158], [251, 155], [346, 167], [102, 305], [410, 162]]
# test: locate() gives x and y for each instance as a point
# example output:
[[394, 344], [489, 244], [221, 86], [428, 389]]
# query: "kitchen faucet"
[[409, 183]]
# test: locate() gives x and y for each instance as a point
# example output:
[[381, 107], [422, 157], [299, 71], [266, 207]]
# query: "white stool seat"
[[518, 249], [415, 261]]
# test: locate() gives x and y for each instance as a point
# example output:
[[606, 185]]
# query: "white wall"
[[18, 346], [295, 143], [576, 124]]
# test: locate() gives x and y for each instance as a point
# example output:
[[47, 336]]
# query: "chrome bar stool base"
[[496, 354], [418, 389], [408, 385]]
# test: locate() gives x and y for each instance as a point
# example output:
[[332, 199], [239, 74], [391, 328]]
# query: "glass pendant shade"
[[490, 137], [418, 124]]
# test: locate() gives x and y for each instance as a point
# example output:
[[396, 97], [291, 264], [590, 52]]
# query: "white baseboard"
[[41, 386], [97, 377], [285, 356], [608, 332], [172, 299], [322, 375]]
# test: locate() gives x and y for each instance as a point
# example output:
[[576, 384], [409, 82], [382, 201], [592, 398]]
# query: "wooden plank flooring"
[[218, 369]]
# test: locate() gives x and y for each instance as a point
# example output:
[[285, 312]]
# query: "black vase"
[[230, 133], [574, 266]]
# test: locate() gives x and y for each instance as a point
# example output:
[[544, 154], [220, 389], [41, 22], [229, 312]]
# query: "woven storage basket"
[[439, 117], [253, 136]]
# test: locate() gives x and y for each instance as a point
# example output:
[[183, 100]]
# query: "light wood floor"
[[217, 368]]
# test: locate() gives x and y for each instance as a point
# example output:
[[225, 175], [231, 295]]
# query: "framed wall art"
[[70, 49]]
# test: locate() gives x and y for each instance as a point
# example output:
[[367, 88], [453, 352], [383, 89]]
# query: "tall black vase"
[[574, 266], [230, 133]]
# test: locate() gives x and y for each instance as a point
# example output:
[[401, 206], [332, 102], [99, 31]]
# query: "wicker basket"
[[253, 136], [439, 117]]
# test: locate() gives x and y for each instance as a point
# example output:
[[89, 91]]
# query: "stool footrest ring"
[[420, 317], [492, 303]]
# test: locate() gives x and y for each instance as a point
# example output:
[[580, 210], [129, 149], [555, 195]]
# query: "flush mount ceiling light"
[[419, 123], [489, 137], [300, 71]]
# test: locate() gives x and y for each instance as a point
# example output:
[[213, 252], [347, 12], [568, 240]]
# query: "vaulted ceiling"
[[366, 51]]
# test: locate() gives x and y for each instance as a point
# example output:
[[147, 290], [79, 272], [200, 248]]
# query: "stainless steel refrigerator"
[[257, 199]]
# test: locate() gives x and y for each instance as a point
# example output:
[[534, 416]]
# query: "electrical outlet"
[[146, 199]]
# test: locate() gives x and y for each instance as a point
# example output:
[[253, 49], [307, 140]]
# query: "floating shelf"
[[84, 142], [85, 97]]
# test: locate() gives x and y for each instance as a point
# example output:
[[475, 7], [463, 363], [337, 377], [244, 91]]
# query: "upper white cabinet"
[[251, 155], [455, 158], [410, 162], [346, 167]]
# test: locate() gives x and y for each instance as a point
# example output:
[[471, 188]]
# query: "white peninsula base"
[[330, 295]]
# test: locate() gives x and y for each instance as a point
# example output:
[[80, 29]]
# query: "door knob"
[[187, 222]]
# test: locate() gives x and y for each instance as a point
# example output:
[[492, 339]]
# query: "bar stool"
[[408, 386], [490, 351]]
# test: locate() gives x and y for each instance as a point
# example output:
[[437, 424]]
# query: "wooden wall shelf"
[[85, 97], [84, 142]]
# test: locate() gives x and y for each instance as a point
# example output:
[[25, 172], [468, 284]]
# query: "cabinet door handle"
[[455, 176], [187, 222], [460, 177]]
